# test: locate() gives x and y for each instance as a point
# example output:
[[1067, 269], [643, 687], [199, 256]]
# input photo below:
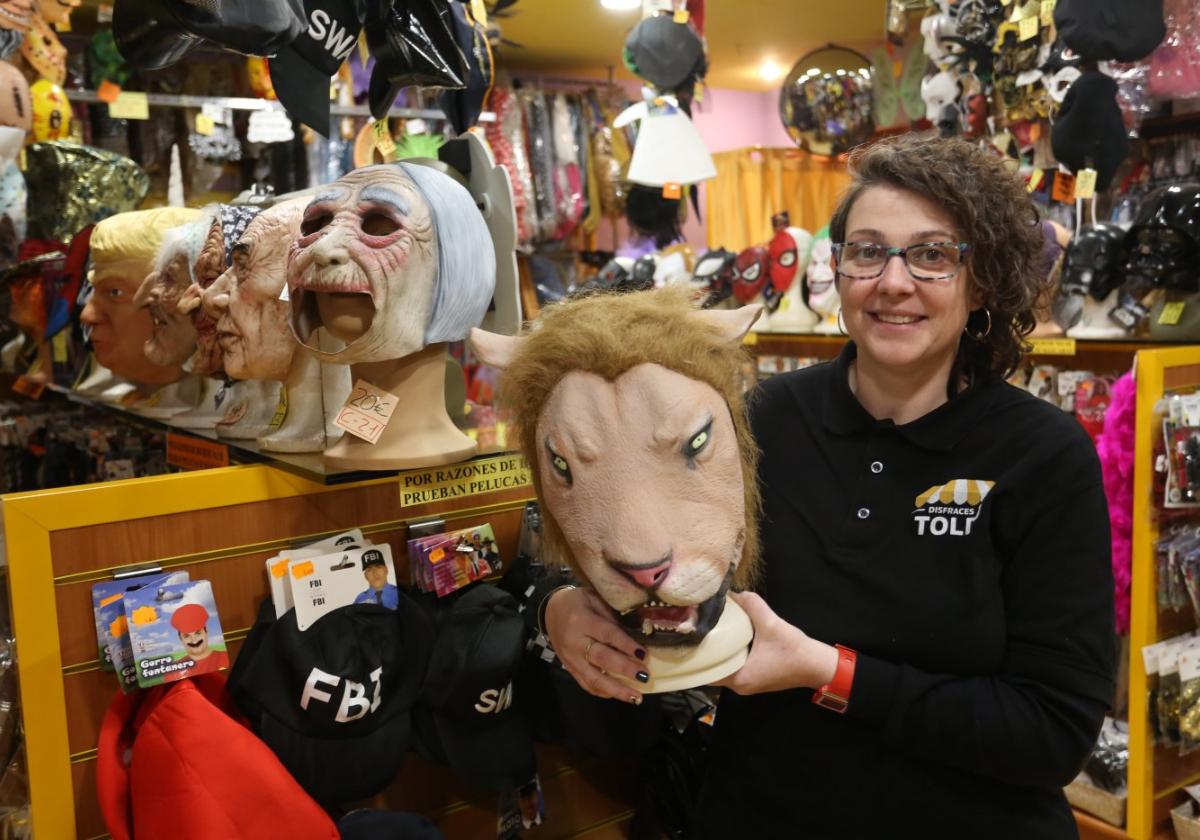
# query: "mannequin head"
[[823, 294], [124, 248], [788, 249], [1093, 267], [252, 322], [750, 271], [173, 338], [390, 259]]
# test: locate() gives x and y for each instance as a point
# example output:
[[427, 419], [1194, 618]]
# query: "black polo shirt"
[[966, 557]]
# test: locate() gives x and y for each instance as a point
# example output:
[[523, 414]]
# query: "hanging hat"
[[1111, 30], [669, 150], [463, 107], [152, 34], [189, 618], [413, 44], [665, 53], [301, 71], [1089, 130]]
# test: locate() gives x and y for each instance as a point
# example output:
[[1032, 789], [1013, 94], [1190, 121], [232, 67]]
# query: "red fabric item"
[[175, 761]]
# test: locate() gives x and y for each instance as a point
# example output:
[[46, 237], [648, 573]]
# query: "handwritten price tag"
[[1027, 28], [1048, 12], [129, 105], [366, 412], [1085, 183], [204, 124], [383, 139]]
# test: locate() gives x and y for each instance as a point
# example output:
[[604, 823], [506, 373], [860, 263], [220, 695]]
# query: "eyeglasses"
[[927, 262]]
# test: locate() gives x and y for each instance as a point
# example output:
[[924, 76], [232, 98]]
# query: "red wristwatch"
[[835, 695]]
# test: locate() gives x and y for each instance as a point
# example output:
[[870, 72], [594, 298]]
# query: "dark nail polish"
[[639, 653], [643, 677]]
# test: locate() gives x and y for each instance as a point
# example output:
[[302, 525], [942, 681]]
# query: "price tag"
[[29, 388], [1035, 180], [383, 139], [364, 51], [1027, 28], [108, 91], [367, 411], [59, 347], [104, 13], [204, 124], [1064, 188], [1048, 12], [479, 12], [279, 568], [437, 555], [1052, 346], [281, 408], [672, 190], [129, 106], [1085, 183], [681, 16], [301, 570], [1171, 313]]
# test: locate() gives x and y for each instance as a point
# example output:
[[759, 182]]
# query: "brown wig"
[[992, 212], [608, 334]]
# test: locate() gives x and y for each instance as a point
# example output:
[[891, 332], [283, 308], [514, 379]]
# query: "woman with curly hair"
[[933, 625]]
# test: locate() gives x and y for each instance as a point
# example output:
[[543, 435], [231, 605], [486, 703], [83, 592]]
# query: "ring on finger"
[[587, 651]]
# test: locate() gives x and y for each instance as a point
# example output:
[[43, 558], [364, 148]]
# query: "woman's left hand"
[[781, 656]]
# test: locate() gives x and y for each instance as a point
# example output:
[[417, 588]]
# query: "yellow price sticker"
[[1028, 28], [59, 348], [1036, 179], [1085, 183], [479, 12], [204, 124], [681, 16], [1171, 313], [1052, 346], [750, 339], [383, 139], [279, 568], [1048, 12], [130, 105]]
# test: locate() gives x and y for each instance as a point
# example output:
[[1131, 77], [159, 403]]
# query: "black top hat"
[[1111, 30], [665, 53], [300, 72], [152, 34], [470, 715], [1089, 130], [334, 701]]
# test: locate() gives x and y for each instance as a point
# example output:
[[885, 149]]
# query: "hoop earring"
[[841, 327], [986, 330]]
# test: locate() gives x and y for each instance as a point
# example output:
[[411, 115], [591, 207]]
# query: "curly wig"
[[608, 334], [992, 212]]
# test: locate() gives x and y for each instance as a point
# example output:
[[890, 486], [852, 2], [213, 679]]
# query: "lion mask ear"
[[732, 323], [494, 349]]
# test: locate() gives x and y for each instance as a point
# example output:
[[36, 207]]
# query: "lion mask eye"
[[560, 465], [698, 442]]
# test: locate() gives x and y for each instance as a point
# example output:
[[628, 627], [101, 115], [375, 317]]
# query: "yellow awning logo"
[[959, 491]]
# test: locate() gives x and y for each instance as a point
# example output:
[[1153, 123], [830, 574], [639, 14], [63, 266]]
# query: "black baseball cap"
[[334, 702], [372, 557], [665, 53], [471, 715], [300, 72], [152, 34]]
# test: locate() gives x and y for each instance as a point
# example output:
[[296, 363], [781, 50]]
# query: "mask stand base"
[[420, 432]]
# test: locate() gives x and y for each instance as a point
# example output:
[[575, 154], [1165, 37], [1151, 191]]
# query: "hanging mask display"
[[414, 44], [934, 28], [57, 12], [1092, 269], [44, 52], [16, 108], [1163, 245], [783, 260], [51, 111], [16, 15], [750, 273], [713, 276]]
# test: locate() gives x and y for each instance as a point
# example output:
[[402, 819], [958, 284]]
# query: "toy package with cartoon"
[[632, 422], [107, 608], [174, 632]]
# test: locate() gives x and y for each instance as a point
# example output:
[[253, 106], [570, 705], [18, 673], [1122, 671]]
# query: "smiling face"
[[251, 321], [643, 476], [897, 322], [196, 643], [364, 266], [173, 336]]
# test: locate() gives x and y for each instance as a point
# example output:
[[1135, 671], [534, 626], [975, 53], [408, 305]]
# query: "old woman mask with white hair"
[[395, 260]]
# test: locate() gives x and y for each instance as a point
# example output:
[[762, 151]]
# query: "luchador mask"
[[44, 52], [16, 108], [252, 322], [1093, 267], [390, 259], [1163, 245], [714, 275], [57, 11], [51, 111], [16, 15], [750, 273], [823, 295]]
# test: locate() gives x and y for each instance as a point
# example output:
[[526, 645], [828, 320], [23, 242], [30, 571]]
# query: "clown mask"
[[51, 111], [391, 259], [750, 273], [823, 295], [44, 52]]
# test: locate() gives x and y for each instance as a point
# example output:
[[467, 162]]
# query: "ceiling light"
[[770, 71], [621, 5]]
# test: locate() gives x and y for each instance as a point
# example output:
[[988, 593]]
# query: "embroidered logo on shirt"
[[951, 508]]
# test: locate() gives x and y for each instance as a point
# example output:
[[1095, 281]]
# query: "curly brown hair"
[[993, 213]]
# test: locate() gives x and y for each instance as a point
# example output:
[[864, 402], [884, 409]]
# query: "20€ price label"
[[366, 411]]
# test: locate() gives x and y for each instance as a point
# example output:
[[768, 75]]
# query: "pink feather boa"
[[1115, 445]]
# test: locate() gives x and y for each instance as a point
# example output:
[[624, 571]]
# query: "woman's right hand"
[[592, 646]]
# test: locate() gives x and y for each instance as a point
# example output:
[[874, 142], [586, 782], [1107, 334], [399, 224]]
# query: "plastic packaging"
[[1175, 64]]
